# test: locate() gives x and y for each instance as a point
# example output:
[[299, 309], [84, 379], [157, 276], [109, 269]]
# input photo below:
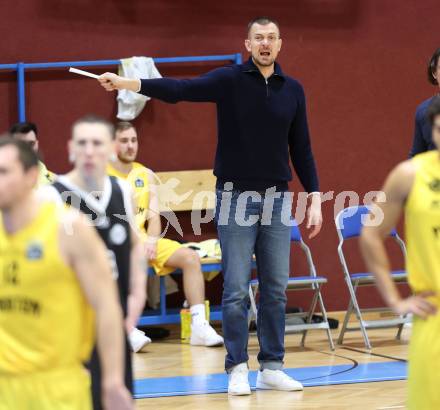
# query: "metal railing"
[[22, 67]]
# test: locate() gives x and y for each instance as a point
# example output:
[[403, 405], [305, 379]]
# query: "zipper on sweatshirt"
[[266, 80]]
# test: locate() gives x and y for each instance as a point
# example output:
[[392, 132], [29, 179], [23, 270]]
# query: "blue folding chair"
[[310, 282], [349, 223]]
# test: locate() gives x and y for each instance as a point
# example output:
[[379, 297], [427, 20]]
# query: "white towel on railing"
[[130, 104]]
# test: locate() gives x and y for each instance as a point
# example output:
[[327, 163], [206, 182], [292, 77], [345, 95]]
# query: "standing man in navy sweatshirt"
[[261, 120]]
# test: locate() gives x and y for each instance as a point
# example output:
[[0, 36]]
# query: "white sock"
[[198, 316]]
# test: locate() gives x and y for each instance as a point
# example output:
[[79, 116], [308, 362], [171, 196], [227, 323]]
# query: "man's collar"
[[249, 66]]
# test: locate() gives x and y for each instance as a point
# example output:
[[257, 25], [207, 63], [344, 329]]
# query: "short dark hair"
[[26, 155], [95, 119], [124, 125], [432, 67], [433, 109], [262, 20], [22, 128]]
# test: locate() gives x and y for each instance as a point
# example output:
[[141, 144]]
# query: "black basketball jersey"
[[110, 213]]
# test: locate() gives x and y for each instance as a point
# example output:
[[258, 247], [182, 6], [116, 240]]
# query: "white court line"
[[391, 407], [82, 72]]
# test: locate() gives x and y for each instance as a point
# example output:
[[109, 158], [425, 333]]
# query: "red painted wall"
[[362, 64]]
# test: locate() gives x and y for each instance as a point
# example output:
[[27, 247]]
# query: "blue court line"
[[309, 376]]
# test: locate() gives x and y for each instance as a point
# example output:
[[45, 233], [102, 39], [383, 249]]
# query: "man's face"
[[264, 43], [90, 148], [436, 131], [30, 137], [126, 145], [15, 182]]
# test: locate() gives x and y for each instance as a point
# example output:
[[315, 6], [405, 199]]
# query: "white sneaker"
[[138, 340], [276, 380], [205, 335], [238, 384], [409, 324]]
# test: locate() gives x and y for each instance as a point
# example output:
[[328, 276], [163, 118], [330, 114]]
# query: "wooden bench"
[[189, 185]]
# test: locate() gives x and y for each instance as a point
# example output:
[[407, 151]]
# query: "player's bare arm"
[[396, 189], [86, 253]]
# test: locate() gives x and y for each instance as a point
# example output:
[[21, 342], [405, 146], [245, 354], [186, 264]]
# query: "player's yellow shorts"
[[60, 389], [424, 364], [165, 248]]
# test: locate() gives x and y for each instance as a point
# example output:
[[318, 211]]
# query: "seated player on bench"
[[165, 255]]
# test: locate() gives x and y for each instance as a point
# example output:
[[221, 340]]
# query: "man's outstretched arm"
[[206, 88]]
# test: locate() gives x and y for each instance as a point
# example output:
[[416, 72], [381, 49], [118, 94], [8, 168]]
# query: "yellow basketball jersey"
[[422, 224], [45, 321], [422, 228], [138, 180], [45, 176]]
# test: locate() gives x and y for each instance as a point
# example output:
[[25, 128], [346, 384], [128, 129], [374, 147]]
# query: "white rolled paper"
[[81, 72]]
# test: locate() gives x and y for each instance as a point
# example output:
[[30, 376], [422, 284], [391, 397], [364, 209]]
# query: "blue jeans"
[[246, 226]]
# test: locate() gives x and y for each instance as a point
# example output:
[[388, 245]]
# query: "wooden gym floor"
[[170, 358]]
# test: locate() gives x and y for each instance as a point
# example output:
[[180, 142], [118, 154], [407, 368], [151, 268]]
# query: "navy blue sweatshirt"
[[422, 140], [258, 122]]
